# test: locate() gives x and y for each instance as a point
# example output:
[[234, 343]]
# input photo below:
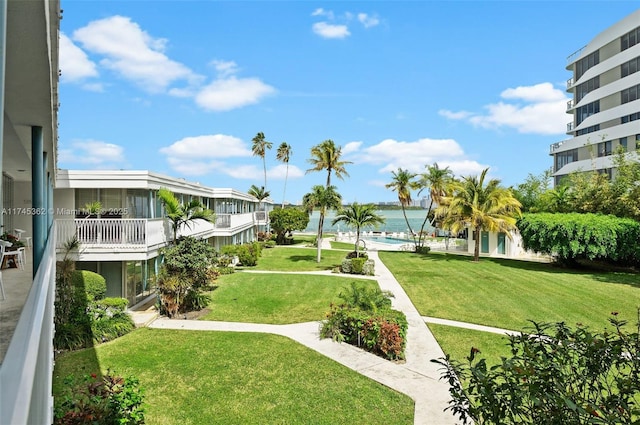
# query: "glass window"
[[137, 203], [623, 143], [604, 148]]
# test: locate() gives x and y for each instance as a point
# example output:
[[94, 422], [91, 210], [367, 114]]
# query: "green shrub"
[[226, 270], [559, 376], [359, 296], [92, 284], [109, 319], [424, 249], [107, 400], [359, 254], [360, 265], [270, 243], [382, 333]]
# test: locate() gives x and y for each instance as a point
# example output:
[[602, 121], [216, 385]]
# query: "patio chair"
[[16, 255]]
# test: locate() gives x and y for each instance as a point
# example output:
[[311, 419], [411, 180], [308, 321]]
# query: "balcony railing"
[[569, 105], [556, 146], [569, 83], [27, 368], [569, 126], [140, 233]]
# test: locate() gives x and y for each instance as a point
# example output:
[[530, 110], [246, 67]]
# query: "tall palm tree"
[[437, 180], [403, 183], [283, 155], [180, 214], [358, 216], [259, 148], [260, 194], [327, 156], [323, 199], [480, 206]]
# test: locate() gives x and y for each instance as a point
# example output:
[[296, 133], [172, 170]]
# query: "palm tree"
[[259, 148], [358, 216], [403, 183], [326, 156], [480, 206], [260, 194], [323, 199], [436, 180], [180, 214], [283, 155]]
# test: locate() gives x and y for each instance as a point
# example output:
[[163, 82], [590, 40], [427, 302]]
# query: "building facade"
[[604, 104], [123, 241], [29, 72]]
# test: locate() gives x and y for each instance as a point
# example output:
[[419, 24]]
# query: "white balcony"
[[140, 235]]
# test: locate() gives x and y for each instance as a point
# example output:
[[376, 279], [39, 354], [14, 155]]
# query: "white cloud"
[[93, 153], [321, 12], [133, 53], [207, 146], [74, 62], [244, 172], [232, 93], [351, 147], [537, 109], [327, 30], [279, 172], [225, 68], [368, 21], [391, 154]]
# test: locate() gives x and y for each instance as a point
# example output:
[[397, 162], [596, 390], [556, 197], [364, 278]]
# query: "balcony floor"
[[17, 284]]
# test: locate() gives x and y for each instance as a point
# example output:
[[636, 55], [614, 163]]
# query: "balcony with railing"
[[570, 82], [570, 104], [141, 234], [569, 126]]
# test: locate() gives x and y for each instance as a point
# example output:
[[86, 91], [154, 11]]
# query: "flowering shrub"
[[108, 400]]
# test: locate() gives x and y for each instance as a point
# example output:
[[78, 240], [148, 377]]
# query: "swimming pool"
[[387, 239]]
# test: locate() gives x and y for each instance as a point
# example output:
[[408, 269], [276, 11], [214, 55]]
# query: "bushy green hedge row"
[[575, 236], [84, 316], [247, 253]]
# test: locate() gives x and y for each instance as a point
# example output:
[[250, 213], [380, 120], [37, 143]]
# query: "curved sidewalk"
[[418, 377]]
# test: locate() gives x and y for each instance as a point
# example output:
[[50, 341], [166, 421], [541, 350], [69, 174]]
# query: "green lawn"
[[508, 293], [286, 258], [457, 342], [342, 245], [238, 378], [276, 298]]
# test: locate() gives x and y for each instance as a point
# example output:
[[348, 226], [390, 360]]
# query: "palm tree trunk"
[[426, 217], [264, 167], [319, 239], [408, 225], [284, 192], [357, 240], [476, 250]]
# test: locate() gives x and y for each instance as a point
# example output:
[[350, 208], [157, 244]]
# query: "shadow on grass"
[[619, 277]]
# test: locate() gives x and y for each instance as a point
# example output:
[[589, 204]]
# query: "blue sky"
[[181, 87]]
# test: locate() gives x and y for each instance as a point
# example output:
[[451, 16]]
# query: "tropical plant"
[[327, 156], [555, 375], [323, 199], [259, 148], [403, 183], [284, 155], [480, 206], [436, 180], [180, 214], [358, 216]]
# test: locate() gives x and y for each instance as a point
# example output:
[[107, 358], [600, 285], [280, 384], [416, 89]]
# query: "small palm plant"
[[180, 214], [358, 216]]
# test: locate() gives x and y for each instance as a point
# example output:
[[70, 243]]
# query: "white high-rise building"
[[605, 101]]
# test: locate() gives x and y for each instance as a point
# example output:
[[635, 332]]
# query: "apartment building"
[[29, 32], [605, 102], [123, 241]]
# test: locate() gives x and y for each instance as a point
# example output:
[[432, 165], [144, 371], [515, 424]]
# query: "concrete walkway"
[[418, 377]]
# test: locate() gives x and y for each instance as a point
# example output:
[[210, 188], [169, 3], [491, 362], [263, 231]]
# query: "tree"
[[437, 180], [555, 375], [531, 193], [180, 214], [323, 199], [259, 148], [260, 194], [358, 216], [480, 206], [403, 183], [327, 156], [287, 220], [283, 155]]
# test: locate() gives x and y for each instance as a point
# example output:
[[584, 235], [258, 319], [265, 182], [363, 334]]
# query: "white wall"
[[22, 204]]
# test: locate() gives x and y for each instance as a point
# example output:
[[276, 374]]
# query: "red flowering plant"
[[13, 239]]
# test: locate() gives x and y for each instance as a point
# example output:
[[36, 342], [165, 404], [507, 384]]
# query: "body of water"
[[394, 222]]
